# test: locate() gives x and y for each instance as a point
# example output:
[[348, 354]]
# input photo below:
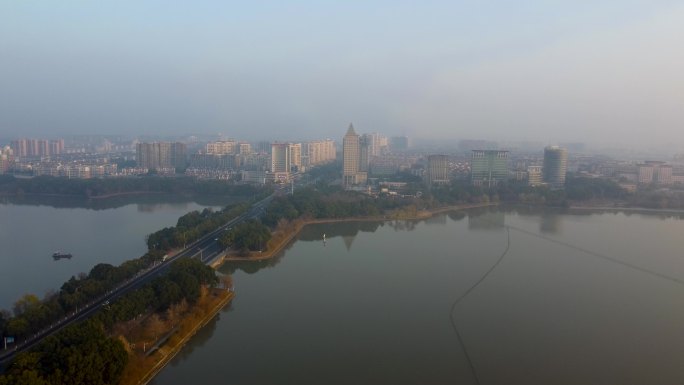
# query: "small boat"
[[59, 255]]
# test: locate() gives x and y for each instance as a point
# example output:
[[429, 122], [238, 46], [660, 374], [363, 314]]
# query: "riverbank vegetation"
[[31, 314], [248, 236], [330, 202], [154, 339], [93, 351], [286, 215], [654, 198], [577, 189]]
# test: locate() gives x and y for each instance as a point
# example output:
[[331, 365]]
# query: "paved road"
[[205, 248]]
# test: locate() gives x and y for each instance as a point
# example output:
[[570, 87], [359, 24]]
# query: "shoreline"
[[290, 236], [81, 196], [104, 196], [173, 351], [420, 215], [627, 209], [300, 224]]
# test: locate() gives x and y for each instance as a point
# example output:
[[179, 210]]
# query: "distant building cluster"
[[650, 172], [551, 170], [655, 172], [69, 170], [373, 154], [160, 155], [364, 162], [368, 159], [230, 159], [318, 152], [36, 148]]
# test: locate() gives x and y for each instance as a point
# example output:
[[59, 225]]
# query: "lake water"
[[29, 234], [488, 296]]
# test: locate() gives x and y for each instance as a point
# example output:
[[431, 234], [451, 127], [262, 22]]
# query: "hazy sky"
[[534, 70]]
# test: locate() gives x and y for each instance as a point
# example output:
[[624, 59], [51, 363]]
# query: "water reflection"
[[439, 219], [30, 234], [550, 223], [457, 215], [153, 207], [524, 304], [337, 229], [249, 267], [488, 219], [202, 336], [403, 225]]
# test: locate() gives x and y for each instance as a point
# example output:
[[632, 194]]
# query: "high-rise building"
[[43, 148], [534, 175], [319, 151], [365, 151], [664, 175], [215, 162], [281, 158], [160, 155], [179, 157], [438, 169], [488, 167], [555, 165], [33, 148], [377, 144], [295, 157], [57, 147], [351, 159], [20, 148], [222, 147], [654, 172], [37, 147], [245, 148], [6, 159]]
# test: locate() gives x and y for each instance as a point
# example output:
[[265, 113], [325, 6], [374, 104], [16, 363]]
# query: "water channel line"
[[465, 294], [552, 240]]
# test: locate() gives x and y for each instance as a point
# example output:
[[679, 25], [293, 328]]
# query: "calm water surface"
[[569, 299], [29, 234]]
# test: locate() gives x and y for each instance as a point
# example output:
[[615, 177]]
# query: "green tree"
[[26, 303], [251, 235]]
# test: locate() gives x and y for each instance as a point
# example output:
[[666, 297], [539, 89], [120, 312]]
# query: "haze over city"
[[606, 72], [358, 192]]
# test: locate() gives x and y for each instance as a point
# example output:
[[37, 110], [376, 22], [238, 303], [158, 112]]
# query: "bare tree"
[[227, 281], [155, 325]]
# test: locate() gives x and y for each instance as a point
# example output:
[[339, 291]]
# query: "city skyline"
[[513, 171], [599, 73]]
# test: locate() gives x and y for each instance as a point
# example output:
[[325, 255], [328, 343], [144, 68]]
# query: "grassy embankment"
[[170, 330]]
